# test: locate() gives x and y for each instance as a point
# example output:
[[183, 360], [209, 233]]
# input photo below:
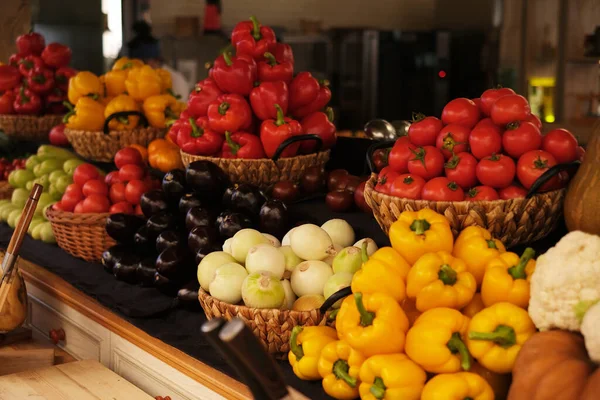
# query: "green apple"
[[62, 183], [21, 177], [46, 233], [11, 178], [44, 200], [55, 175], [19, 197], [36, 232], [7, 206], [55, 152], [35, 221], [29, 186], [46, 209], [70, 165], [5, 212], [12, 218], [4, 202], [54, 192], [46, 167], [32, 162], [44, 181]]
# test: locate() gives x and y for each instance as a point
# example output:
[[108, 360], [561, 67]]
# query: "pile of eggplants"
[[193, 213]]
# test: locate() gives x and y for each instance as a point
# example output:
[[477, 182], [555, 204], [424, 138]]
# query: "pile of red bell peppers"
[[252, 102], [36, 78]]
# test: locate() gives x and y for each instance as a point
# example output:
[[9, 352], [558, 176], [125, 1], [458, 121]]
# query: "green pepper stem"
[[223, 107], [270, 59], [417, 116], [333, 315], [340, 370], [378, 388], [503, 336], [366, 317], [227, 58], [280, 117], [255, 28], [518, 271], [294, 346], [330, 115], [233, 146], [127, 65], [363, 252], [456, 345], [491, 244], [169, 113], [39, 79], [24, 97], [196, 130], [124, 120], [468, 398], [419, 226], [447, 275]]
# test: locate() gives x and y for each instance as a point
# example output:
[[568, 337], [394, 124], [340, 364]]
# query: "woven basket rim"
[[255, 160], [34, 117], [112, 132], [53, 214]]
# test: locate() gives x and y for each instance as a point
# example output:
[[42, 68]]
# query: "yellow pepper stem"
[[363, 252], [419, 226], [366, 317], [378, 388], [447, 275], [294, 346], [503, 336], [340, 370], [518, 271], [456, 345]]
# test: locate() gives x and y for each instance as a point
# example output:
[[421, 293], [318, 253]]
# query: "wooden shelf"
[[584, 60]]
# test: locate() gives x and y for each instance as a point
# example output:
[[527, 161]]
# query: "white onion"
[[227, 246], [329, 259], [310, 242], [227, 285], [291, 259], [309, 277], [272, 240], [265, 257], [340, 231], [336, 282], [262, 290], [308, 302], [286, 239], [208, 266], [290, 297], [371, 245], [348, 260], [244, 240]]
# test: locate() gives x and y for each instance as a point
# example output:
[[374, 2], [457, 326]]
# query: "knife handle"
[[252, 354]]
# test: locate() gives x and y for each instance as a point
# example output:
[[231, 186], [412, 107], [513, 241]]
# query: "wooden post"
[[15, 20]]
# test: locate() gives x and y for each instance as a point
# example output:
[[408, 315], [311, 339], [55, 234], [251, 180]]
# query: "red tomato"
[[400, 154], [580, 153], [96, 203], [58, 206], [84, 173], [428, 162], [514, 191], [461, 111], [95, 186], [79, 208], [138, 210], [510, 108], [497, 171], [521, 137], [461, 169], [407, 186], [71, 197], [122, 207], [424, 130], [534, 120], [128, 155], [134, 190], [532, 165], [385, 179], [442, 189], [485, 139], [117, 193], [57, 136], [112, 177], [130, 172], [489, 97], [561, 144], [477, 102], [453, 139], [481, 193]]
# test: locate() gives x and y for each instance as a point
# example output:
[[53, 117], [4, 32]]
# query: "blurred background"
[[384, 58]]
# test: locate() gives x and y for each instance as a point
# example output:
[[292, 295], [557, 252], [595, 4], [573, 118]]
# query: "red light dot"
[[442, 74]]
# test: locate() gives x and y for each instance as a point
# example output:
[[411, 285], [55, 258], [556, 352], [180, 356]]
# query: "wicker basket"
[[81, 235], [272, 326], [29, 127], [5, 190], [512, 221]]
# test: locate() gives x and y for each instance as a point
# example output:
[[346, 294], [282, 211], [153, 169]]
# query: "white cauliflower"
[[590, 328], [565, 276]]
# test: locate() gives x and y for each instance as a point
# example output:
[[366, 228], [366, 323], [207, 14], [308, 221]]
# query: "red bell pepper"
[[197, 140], [283, 52], [317, 104], [29, 63], [204, 93], [264, 97], [27, 102], [56, 55], [62, 76], [9, 77], [15, 59], [303, 90], [252, 38], [234, 74], [274, 132], [40, 80], [229, 112], [271, 70], [175, 127], [320, 124], [55, 101], [30, 43], [6, 102], [242, 145]]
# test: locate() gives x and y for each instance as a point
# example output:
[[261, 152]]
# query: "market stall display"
[[6, 167]]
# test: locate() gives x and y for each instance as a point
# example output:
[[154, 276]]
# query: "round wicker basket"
[[5, 190], [512, 221], [81, 235], [29, 127]]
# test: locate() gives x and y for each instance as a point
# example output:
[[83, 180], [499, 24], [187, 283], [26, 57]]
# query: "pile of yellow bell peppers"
[[131, 88], [429, 318]]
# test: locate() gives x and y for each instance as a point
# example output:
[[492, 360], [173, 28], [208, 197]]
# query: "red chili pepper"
[[62, 76], [197, 140], [40, 80], [14, 60], [321, 124], [270, 70], [9, 77], [317, 104], [55, 101], [234, 74], [303, 90], [6, 102], [252, 38], [242, 145], [204, 93], [274, 132], [264, 97], [283, 52], [27, 102], [229, 112], [29, 63]]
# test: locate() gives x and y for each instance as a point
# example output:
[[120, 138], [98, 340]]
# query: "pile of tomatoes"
[[487, 148], [7, 166]]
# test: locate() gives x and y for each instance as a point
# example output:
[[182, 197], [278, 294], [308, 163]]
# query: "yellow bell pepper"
[[114, 82], [119, 104], [418, 232], [392, 258], [507, 279], [436, 341], [372, 323], [440, 280], [497, 334], [165, 79], [379, 277], [475, 246], [142, 83], [83, 84], [474, 306], [88, 115], [306, 344], [127, 63], [164, 155], [159, 108], [339, 366], [459, 386], [391, 377]]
